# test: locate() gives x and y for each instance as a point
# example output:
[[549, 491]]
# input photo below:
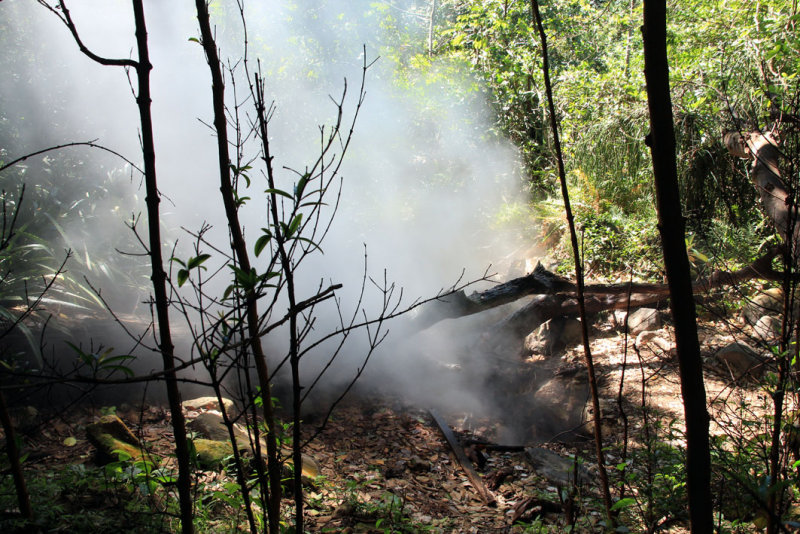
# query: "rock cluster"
[[211, 438]]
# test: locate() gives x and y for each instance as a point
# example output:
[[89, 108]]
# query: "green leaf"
[[123, 456], [115, 359], [300, 187], [122, 368], [623, 503], [227, 292], [196, 262], [241, 171], [313, 245], [278, 192], [194, 40], [183, 275], [86, 358], [294, 225], [261, 242], [245, 279]]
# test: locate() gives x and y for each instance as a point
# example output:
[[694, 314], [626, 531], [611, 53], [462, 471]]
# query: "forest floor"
[[386, 467]]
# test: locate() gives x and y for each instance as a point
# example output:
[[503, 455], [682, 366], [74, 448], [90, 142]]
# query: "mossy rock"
[[213, 435], [110, 434], [212, 454]]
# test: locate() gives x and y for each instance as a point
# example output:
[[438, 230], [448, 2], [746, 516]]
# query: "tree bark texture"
[[676, 261], [12, 451]]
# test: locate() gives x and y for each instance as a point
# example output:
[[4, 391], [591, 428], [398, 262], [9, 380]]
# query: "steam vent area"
[[399, 266]]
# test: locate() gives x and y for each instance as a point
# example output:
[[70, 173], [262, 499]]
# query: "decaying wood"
[[466, 465]]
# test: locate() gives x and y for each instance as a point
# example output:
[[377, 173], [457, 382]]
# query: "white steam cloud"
[[423, 181]]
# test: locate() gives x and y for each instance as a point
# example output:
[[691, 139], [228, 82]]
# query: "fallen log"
[[556, 295]]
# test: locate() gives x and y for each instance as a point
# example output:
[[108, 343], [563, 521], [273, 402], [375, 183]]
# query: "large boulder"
[[212, 426], [558, 405], [212, 454], [213, 440]]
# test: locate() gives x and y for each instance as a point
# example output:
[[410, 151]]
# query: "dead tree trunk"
[[763, 149]]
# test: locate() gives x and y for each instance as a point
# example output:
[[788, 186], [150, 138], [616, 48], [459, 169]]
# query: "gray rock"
[[741, 359], [618, 317], [650, 338], [643, 319], [768, 328], [572, 333], [768, 302], [554, 335], [558, 406]]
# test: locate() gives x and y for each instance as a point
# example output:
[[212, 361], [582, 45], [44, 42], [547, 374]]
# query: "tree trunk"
[[159, 276], [12, 451], [239, 246], [562, 178], [676, 261]]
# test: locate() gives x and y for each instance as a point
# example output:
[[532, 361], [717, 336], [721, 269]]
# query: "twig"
[[91, 144]]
